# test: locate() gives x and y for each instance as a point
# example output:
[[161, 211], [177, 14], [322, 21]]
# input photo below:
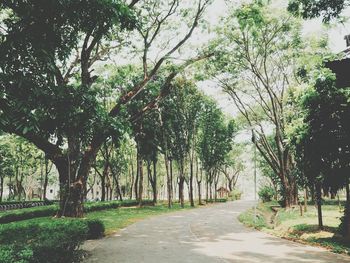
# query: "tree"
[[323, 143], [255, 65], [181, 112], [327, 9], [6, 163], [47, 87], [233, 166], [215, 142]]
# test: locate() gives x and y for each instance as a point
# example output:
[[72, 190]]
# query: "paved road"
[[205, 235]]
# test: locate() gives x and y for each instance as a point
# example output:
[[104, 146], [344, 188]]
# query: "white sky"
[[336, 35]]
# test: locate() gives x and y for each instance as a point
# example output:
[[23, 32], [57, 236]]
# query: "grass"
[[118, 218], [115, 219], [291, 225], [264, 216]]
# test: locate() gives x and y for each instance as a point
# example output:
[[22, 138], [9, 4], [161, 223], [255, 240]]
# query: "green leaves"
[[216, 137], [250, 16], [327, 9]]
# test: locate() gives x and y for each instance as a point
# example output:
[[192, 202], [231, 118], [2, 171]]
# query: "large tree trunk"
[[199, 183], [71, 190], [1, 187], [207, 188], [132, 177], [216, 181], [230, 184], [136, 185], [319, 204], [290, 192], [117, 187], [181, 184], [46, 178], [191, 183], [169, 180], [347, 211], [154, 182], [103, 187], [181, 191], [172, 192], [140, 169]]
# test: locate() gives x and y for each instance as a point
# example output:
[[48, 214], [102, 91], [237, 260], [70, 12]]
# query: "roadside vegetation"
[[290, 224], [107, 100], [42, 239]]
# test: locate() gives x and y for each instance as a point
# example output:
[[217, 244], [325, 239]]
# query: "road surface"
[[205, 235]]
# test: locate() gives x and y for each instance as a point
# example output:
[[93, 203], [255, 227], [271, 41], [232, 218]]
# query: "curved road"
[[206, 235]]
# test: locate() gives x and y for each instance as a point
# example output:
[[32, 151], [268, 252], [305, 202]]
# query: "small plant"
[[343, 229], [266, 193], [51, 241], [96, 228], [235, 195]]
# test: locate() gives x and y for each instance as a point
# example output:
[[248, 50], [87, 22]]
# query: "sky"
[[219, 7]]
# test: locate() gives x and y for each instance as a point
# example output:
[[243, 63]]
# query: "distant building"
[[223, 192]]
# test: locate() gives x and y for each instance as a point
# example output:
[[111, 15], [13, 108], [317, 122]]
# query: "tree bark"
[[1, 187], [207, 188], [71, 190], [181, 191], [171, 178], [117, 186], [181, 184], [137, 174], [140, 188], [46, 178], [319, 205], [154, 182], [191, 183], [305, 199], [132, 176], [347, 210]]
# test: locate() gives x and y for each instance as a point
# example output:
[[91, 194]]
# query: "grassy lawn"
[[291, 225], [118, 218], [115, 219]]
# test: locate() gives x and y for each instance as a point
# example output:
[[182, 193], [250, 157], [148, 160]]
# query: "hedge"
[[51, 241], [47, 211], [218, 200], [27, 213]]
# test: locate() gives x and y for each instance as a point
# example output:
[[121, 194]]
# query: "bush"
[[96, 228], [218, 200], [51, 241], [27, 213], [266, 193], [48, 211], [344, 221], [235, 195]]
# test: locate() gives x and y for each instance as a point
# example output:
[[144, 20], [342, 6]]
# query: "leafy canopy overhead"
[[327, 9], [36, 47]]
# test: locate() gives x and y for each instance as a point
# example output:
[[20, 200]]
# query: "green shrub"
[[12, 253], [96, 228], [247, 218], [27, 213], [218, 200], [51, 241], [235, 195], [342, 229], [266, 193], [48, 211]]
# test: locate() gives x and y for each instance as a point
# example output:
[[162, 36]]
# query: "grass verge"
[[44, 239], [291, 225], [115, 219]]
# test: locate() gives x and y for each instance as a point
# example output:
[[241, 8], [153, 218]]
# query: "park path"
[[204, 235]]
